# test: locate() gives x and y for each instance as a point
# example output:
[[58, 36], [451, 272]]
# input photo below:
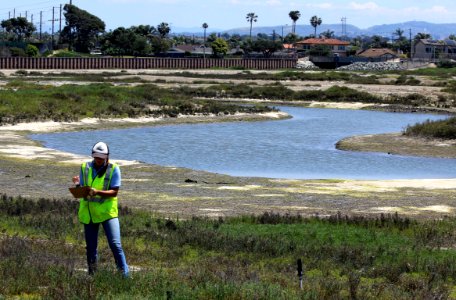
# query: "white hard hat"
[[100, 150]]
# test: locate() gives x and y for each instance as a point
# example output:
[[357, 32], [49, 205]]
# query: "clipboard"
[[80, 191]]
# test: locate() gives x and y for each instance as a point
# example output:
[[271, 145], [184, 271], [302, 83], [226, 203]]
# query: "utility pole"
[[410, 34], [41, 24], [53, 22], [344, 27], [53, 19], [14, 13], [26, 15], [60, 19]]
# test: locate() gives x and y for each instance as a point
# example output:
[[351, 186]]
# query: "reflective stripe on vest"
[[97, 209]]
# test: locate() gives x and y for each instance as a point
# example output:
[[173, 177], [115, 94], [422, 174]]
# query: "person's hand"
[[92, 192], [75, 180]]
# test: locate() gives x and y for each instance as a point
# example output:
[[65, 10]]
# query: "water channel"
[[302, 147]]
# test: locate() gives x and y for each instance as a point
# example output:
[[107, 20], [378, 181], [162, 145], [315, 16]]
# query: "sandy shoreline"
[[14, 143], [95, 123]]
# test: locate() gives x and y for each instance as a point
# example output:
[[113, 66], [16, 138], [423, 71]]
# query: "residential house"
[[434, 49], [379, 54], [338, 47]]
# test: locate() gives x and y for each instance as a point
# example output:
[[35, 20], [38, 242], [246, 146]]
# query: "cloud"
[[256, 2], [274, 2], [364, 6], [145, 1], [429, 13], [322, 5], [438, 10]]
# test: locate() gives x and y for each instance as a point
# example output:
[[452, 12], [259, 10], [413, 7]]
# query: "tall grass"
[[246, 257], [22, 102], [442, 129]]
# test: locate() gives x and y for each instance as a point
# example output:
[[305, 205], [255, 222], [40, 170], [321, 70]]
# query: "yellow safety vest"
[[97, 209]]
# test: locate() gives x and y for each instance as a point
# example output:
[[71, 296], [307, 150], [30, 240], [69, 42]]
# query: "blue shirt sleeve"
[[81, 177], [116, 178]]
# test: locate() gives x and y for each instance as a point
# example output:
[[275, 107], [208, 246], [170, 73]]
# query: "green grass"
[[245, 257], [23, 102], [441, 73], [442, 129]]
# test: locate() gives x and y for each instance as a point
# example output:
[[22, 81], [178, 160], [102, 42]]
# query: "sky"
[[228, 14]]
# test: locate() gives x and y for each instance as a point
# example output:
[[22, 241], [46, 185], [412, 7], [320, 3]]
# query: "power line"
[[32, 8], [27, 5], [47, 15]]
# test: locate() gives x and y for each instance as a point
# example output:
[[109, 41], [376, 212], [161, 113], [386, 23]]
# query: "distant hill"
[[437, 31]]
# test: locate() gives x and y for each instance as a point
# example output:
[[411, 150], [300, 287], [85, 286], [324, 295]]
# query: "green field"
[[246, 257]]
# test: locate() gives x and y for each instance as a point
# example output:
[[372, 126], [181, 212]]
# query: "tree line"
[[84, 32]]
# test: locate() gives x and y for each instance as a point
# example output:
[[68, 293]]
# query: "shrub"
[[17, 52], [405, 80], [66, 53], [443, 129], [47, 53], [32, 51], [446, 63], [450, 87]]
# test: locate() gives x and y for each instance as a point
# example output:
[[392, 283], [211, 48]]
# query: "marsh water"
[[302, 147]]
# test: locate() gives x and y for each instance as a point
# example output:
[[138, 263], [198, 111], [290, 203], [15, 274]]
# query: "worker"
[[100, 206]]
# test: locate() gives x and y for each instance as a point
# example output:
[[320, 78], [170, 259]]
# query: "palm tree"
[[251, 17], [399, 33], [163, 29], [294, 15], [315, 22], [205, 26], [329, 34], [422, 36], [377, 42]]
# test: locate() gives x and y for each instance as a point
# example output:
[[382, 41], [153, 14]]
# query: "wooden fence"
[[141, 63]]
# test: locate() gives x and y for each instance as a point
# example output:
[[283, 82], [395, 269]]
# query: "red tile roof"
[[323, 41]]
